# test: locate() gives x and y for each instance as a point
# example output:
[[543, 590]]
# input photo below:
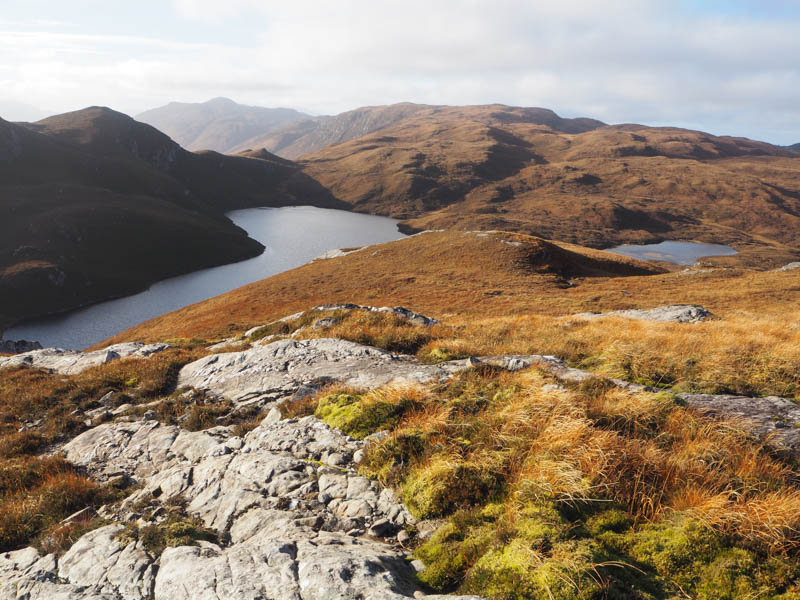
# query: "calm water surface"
[[681, 253], [293, 236]]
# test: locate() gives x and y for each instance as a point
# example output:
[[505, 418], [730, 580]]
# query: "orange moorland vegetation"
[[495, 296], [576, 180]]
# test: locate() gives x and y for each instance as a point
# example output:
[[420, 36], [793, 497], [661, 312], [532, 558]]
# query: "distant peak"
[[221, 101]]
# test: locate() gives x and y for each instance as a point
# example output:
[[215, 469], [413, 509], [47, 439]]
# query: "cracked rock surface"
[[71, 362], [297, 521], [285, 365]]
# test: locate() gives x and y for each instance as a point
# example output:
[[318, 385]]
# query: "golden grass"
[[494, 437], [36, 491]]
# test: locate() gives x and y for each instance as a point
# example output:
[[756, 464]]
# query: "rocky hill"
[[526, 170], [219, 124], [96, 204]]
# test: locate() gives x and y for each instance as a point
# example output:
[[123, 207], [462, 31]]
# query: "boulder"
[[676, 313]]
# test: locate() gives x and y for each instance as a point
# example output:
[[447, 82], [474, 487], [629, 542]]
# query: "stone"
[[677, 313], [790, 267], [774, 419], [72, 362], [18, 346], [325, 323], [273, 416], [287, 364]]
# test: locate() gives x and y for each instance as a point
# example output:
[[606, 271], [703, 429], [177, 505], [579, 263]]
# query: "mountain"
[[219, 124], [95, 205], [576, 180], [306, 137], [795, 147]]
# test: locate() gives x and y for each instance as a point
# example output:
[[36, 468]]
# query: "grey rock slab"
[[790, 267], [676, 313], [98, 560], [286, 364], [139, 448], [773, 418], [72, 362]]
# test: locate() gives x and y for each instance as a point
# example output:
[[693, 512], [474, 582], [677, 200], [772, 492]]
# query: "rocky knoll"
[[283, 366], [70, 362]]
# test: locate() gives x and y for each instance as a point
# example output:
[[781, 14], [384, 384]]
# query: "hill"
[[310, 135], [795, 147], [527, 170], [97, 205], [219, 124], [451, 272], [305, 137]]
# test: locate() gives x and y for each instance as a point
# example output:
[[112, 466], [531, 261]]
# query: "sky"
[[729, 68]]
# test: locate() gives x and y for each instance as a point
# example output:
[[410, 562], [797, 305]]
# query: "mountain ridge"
[[220, 124]]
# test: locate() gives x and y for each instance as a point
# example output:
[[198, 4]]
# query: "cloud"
[[619, 60]]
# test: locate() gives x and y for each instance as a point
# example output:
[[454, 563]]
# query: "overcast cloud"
[[724, 67]]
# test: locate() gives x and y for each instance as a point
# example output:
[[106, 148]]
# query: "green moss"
[[444, 354], [357, 416], [388, 460], [443, 486], [613, 520], [677, 549]]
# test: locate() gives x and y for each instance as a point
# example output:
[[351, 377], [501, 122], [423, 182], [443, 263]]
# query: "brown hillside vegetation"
[[500, 167], [96, 205], [455, 272], [498, 297]]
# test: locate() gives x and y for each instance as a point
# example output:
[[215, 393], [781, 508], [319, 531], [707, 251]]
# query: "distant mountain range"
[[219, 124], [95, 204], [795, 147]]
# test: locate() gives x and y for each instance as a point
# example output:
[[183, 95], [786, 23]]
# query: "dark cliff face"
[[95, 204]]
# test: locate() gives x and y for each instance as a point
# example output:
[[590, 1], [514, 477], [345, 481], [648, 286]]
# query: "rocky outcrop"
[[297, 521], [71, 362], [18, 346], [774, 419], [790, 267], [677, 313], [281, 367]]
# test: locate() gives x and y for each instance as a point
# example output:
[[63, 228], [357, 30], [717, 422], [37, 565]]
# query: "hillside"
[[526, 170], [219, 124], [306, 137], [449, 272], [513, 448], [795, 147], [97, 205], [310, 135]]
